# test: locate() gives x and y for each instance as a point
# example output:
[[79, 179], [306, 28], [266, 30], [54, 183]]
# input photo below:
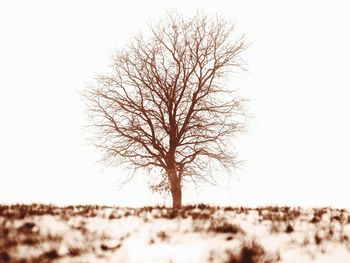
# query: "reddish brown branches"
[[165, 104]]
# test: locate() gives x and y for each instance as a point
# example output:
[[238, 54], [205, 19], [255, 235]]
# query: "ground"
[[200, 233]]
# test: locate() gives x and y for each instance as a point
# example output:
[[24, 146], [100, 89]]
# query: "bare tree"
[[164, 104]]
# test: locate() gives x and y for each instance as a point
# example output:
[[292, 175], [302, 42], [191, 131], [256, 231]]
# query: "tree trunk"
[[177, 196], [175, 188]]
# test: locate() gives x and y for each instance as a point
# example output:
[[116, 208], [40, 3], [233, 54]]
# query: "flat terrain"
[[41, 233]]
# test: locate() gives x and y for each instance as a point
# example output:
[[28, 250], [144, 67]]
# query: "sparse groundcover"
[[196, 233], [251, 252], [222, 226]]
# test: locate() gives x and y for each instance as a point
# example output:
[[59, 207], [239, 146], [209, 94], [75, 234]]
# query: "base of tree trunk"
[[177, 198]]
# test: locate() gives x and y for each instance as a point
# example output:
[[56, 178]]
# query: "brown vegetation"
[[21, 230]]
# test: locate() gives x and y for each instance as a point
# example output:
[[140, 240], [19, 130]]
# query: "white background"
[[297, 148]]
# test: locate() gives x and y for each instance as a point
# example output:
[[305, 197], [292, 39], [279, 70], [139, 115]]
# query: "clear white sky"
[[298, 147]]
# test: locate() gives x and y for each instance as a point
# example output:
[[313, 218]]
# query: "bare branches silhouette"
[[165, 105]]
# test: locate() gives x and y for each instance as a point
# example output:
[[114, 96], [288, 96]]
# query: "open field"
[[42, 233]]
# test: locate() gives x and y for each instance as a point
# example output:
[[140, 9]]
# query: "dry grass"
[[23, 237]]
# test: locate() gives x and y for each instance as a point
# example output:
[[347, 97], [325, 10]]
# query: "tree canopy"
[[165, 104]]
